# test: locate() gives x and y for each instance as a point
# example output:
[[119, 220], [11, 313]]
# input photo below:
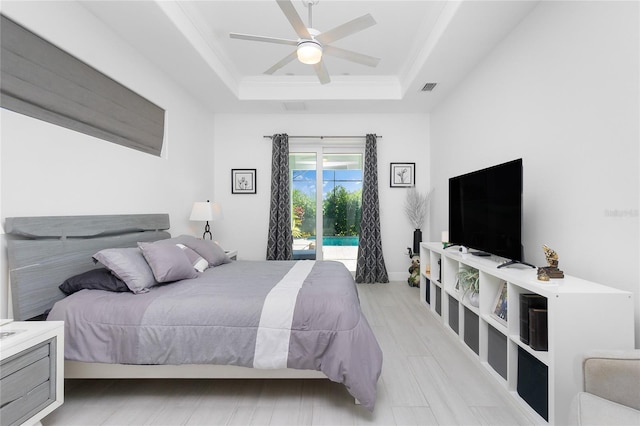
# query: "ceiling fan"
[[312, 44]]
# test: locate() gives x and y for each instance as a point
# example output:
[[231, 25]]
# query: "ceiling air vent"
[[428, 87]]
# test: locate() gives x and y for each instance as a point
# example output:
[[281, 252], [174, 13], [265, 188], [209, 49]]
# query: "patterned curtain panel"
[[370, 267], [280, 240]]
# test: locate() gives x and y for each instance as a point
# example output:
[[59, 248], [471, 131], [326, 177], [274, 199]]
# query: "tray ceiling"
[[419, 42]]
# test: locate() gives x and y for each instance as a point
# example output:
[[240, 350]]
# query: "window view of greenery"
[[304, 205], [341, 204], [341, 195], [339, 201]]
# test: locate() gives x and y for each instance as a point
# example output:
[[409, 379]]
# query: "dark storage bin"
[[427, 291], [533, 382], [453, 314], [471, 331], [497, 351]]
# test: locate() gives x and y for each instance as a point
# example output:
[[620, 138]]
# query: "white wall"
[[239, 143], [562, 93], [49, 170]]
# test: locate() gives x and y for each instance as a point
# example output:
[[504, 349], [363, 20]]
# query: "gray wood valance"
[[42, 81]]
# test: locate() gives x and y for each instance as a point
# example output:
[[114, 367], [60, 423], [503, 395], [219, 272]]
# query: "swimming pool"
[[339, 241]]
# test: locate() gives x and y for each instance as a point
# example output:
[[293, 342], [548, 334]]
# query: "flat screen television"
[[485, 210]]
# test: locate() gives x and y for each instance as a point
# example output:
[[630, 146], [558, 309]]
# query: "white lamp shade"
[[309, 52], [205, 211]]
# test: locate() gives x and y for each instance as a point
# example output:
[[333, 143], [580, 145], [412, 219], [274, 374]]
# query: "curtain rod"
[[324, 137]]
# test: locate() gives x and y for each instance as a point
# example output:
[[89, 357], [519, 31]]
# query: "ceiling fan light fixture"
[[309, 52]]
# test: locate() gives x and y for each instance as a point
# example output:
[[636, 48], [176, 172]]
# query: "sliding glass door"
[[304, 200], [326, 200]]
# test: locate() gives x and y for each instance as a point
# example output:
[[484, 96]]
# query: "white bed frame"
[[44, 251], [86, 370]]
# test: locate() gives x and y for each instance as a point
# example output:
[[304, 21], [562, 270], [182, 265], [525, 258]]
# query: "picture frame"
[[402, 175], [243, 181], [500, 307]]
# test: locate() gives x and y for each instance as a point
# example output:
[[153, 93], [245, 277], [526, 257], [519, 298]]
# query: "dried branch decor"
[[416, 207]]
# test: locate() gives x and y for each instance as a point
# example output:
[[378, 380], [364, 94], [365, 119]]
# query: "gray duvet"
[[233, 314]]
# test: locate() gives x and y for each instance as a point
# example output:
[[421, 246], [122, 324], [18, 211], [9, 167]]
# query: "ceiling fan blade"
[[261, 38], [322, 73], [281, 63], [293, 18], [349, 55], [351, 27]]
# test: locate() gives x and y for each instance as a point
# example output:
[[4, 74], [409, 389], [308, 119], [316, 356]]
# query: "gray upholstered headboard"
[[44, 251]]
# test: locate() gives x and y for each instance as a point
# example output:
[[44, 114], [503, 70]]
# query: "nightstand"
[[32, 370], [233, 254]]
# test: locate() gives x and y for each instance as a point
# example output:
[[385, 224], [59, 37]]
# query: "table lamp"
[[204, 212]]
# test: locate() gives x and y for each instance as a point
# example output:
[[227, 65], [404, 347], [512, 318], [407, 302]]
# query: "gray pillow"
[[210, 250], [197, 261], [168, 262], [180, 239], [130, 266]]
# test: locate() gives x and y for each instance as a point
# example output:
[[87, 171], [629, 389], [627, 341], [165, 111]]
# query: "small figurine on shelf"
[[551, 271], [542, 275], [551, 255]]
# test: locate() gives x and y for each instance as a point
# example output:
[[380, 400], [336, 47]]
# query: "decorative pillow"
[[210, 250], [95, 279], [180, 239], [168, 262], [198, 263], [130, 266]]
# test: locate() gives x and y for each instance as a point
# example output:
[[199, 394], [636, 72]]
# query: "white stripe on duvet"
[[274, 331]]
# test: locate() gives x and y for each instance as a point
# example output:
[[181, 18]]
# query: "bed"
[[238, 319]]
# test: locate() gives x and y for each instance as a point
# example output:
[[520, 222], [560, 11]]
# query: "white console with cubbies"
[[581, 316]]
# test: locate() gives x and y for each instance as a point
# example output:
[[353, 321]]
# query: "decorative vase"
[[417, 239], [474, 299]]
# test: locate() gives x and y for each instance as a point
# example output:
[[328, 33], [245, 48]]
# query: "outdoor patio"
[[344, 254]]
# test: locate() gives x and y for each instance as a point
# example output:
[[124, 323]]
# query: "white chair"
[[611, 390]]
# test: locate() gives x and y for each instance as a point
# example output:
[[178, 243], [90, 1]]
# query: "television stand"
[[513, 262], [493, 341]]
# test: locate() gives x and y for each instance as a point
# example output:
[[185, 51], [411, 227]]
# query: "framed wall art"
[[403, 175], [243, 181]]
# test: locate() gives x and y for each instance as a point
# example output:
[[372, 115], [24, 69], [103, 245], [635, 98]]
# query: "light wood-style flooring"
[[427, 379]]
